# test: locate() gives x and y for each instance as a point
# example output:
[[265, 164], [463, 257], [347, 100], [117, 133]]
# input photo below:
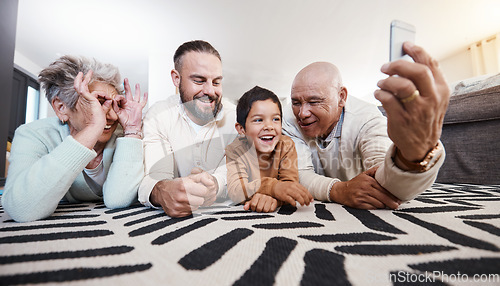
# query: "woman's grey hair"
[[58, 78]]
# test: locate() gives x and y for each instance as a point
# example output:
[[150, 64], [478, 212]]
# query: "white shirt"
[[363, 143], [95, 178], [172, 147]]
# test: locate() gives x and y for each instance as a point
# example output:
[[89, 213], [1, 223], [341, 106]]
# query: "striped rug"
[[450, 235]]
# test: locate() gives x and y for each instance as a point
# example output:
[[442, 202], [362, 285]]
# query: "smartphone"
[[400, 33]]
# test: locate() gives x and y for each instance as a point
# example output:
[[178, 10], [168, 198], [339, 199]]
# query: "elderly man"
[[344, 144], [184, 138]]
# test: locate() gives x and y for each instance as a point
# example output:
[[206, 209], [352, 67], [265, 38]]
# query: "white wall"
[[457, 67], [27, 66], [160, 84]]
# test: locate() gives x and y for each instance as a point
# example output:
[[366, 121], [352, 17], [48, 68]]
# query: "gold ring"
[[414, 95]]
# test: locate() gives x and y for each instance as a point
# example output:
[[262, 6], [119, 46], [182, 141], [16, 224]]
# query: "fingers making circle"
[[137, 98], [128, 91], [81, 84]]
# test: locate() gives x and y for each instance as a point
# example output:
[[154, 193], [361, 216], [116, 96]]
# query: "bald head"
[[318, 98], [319, 74]]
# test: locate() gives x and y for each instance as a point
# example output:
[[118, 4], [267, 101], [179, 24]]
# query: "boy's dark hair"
[[193, 46], [248, 98]]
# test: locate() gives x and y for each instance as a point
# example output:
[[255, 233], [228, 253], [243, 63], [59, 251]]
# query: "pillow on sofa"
[[475, 84]]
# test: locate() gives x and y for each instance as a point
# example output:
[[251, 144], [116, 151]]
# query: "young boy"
[[261, 162]]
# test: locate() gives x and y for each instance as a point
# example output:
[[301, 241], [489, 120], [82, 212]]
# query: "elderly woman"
[[80, 155]]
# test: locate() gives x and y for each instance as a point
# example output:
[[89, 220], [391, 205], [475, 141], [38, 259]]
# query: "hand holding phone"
[[400, 33]]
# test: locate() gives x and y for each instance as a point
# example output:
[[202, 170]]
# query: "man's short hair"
[[248, 98], [193, 46]]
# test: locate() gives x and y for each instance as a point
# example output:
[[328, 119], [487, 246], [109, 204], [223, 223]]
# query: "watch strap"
[[428, 162]]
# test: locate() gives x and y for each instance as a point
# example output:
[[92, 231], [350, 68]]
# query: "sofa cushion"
[[472, 153], [476, 105], [470, 134]]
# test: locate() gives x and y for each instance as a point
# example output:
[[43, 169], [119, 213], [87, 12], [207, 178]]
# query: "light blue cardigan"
[[46, 165]]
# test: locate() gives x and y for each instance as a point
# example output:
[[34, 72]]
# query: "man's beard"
[[203, 115]]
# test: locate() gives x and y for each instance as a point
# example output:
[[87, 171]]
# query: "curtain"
[[485, 56]]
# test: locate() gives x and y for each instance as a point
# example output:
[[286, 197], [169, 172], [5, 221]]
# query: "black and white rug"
[[450, 235]]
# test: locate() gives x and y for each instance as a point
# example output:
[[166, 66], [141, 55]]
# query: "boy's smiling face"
[[262, 126]]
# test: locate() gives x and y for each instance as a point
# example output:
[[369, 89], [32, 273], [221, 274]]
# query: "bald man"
[[344, 151]]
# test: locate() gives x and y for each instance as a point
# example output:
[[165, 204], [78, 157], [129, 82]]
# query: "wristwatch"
[[428, 162]]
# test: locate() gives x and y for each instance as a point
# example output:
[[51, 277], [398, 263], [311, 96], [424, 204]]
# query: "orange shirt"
[[247, 174]]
